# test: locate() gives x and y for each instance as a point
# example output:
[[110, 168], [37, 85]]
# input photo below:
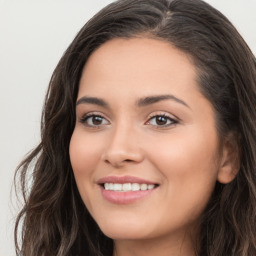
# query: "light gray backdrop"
[[33, 36]]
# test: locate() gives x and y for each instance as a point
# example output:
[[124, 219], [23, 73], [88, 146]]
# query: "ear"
[[230, 160]]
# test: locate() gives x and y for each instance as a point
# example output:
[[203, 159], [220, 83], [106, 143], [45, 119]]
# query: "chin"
[[124, 230], [125, 235]]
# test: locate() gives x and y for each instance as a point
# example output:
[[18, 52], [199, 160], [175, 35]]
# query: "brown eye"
[[97, 120], [161, 121], [94, 120]]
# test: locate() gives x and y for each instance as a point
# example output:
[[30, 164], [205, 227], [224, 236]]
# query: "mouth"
[[125, 189]]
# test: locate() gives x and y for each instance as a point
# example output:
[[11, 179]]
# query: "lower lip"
[[124, 197]]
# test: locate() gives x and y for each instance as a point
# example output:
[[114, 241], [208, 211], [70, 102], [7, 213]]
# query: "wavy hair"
[[54, 221]]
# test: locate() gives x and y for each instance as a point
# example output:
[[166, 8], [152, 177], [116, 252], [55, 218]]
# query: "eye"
[[94, 120], [162, 121]]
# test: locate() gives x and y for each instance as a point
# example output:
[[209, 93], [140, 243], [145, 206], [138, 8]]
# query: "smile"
[[125, 189], [128, 187]]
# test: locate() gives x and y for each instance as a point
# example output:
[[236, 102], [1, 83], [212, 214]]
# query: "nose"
[[123, 147]]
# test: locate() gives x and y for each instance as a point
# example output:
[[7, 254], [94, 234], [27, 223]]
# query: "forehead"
[[137, 63]]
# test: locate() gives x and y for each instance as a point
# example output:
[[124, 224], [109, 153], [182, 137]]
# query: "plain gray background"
[[33, 37]]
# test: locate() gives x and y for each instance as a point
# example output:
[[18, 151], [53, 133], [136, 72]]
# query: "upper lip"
[[124, 179]]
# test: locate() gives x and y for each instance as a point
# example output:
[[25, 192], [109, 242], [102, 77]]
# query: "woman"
[[148, 138]]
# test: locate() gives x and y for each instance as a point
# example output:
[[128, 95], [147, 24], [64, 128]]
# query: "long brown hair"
[[54, 220]]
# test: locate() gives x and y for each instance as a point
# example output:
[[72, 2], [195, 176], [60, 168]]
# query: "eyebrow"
[[154, 99], [92, 100], [140, 103]]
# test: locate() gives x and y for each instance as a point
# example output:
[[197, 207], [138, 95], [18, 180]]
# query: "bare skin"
[[164, 246], [140, 114]]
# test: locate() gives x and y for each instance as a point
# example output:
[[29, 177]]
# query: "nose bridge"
[[123, 145]]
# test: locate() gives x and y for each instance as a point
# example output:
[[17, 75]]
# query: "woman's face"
[[146, 133]]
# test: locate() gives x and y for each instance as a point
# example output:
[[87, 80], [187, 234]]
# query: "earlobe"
[[230, 161]]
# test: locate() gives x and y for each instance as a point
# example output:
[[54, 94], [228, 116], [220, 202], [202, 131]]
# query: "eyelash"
[[172, 121], [86, 117]]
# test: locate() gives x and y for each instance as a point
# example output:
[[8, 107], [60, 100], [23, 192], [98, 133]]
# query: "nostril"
[[118, 158]]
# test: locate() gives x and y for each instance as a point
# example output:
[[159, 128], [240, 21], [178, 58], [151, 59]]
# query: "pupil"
[[161, 120], [97, 120]]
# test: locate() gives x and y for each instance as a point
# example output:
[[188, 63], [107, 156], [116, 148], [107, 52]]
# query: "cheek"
[[189, 164], [185, 154], [84, 153], [84, 157]]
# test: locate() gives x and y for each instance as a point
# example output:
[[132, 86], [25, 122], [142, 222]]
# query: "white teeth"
[[135, 186], [151, 186], [128, 186], [117, 187], [143, 187]]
